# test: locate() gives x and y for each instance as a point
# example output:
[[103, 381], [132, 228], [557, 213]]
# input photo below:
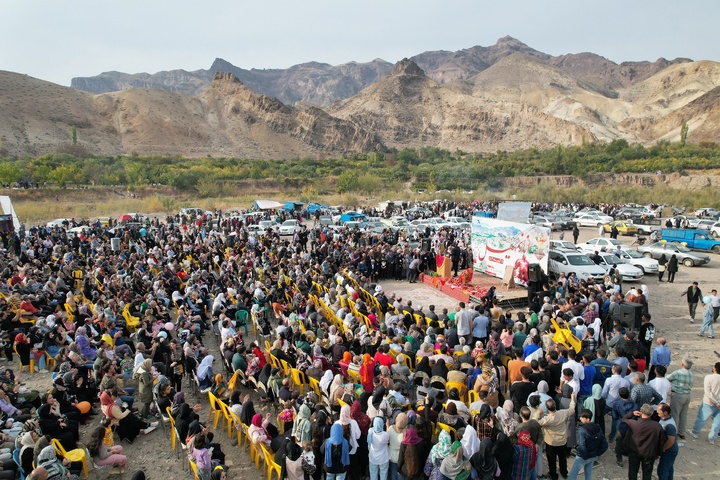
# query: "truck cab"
[[693, 238]]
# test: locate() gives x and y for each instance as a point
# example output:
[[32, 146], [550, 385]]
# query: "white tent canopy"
[[8, 209], [267, 204]]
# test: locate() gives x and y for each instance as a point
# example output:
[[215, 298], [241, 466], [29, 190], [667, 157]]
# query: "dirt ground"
[[696, 460]]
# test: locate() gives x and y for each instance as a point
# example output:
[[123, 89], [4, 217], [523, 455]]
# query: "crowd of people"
[[391, 389]]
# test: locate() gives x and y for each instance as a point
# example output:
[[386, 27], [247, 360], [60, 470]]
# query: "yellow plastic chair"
[[173, 434], [297, 378], [461, 388], [254, 453], [76, 455], [315, 385], [284, 367], [233, 381], [449, 429], [270, 463], [228, 418], [235, 420], [216, 409], [472, 397], [342, 404], [31, 365], [193, 466]]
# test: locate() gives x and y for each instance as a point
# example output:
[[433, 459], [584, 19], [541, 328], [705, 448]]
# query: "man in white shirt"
[[715, 302], [611, 389], [464, 322], [574, 365], [661, 384]]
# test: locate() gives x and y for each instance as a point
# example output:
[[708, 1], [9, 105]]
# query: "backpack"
[[596, 445]]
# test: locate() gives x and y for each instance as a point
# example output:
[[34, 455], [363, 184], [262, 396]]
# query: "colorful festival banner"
[[497, 244]]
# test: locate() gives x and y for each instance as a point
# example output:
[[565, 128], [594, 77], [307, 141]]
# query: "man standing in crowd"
[[693, 294], [666, 466], [647, 442], [710, 408], [591, 443], [682, 383], [555, 432], [661, 357]]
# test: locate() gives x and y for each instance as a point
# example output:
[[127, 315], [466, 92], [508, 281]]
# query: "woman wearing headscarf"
[[483, 462], [288, 456], [439, 451], [596, 404], [508, 420], [51, 423], [364, 424], [128, 426], [336, 392], [542, 391], [454, 466], [484, 422], [319, 432], [257, 432], [450, 417], [56, 469], [326, 381], [27, 444], [411, 457], [205, 374], [424, 366], [504, 454], [143, 375], [367, 373], [396, 432], [302, 426], [83, 344], [184, 416], [525, 457], [470, 442], [345, 363], [566, 392], [336, 453], [439, 369], [248, 412], [378, 441]]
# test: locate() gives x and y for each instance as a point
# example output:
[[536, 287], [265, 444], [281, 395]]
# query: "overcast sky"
[[59, 39]]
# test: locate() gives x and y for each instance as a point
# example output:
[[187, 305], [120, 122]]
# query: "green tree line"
[[426, 167]]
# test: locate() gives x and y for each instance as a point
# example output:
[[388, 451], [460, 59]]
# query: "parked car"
[[626, 269], [684, 255], [624, 227], [705, 224], [59, 222], [598, 244], [707, 213], [647, 265], [563, 245], [544, 222], [592, 219], [561, 261], [645, 226], [289, 227]]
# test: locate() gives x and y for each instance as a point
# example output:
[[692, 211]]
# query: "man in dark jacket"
[[591, 443], [646, 442], [694, 294]]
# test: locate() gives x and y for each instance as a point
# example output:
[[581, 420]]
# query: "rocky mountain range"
[[502, 97]]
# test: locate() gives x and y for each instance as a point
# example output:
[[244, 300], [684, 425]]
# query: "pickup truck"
[[694, 239], [645, 226]]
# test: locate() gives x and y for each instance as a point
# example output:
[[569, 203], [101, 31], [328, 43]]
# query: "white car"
[[715, 230], [568, 262], [290, 227], [597, 244], [59, 222], [629, 272], [457, 222], [647, 265], [705, 224], [592, 219], [563, 245]]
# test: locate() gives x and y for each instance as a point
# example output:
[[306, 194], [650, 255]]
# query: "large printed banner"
[[514, 211], [497, 244]]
